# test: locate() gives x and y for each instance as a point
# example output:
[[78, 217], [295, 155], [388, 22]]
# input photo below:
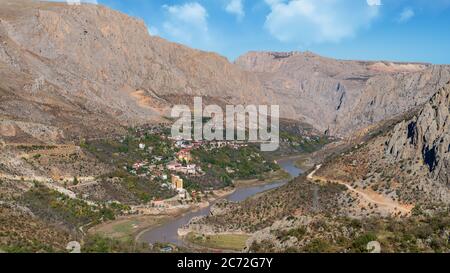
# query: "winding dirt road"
[[49, 183], [371, 197]]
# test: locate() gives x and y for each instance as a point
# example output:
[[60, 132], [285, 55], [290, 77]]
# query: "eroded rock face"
[[60, 63], [87, 66], [343, 96], [426, 137]]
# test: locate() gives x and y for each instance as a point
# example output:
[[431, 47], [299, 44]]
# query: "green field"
[[220, 241], [127, 228]]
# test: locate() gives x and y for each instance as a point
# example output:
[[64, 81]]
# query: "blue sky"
[[397, 30]]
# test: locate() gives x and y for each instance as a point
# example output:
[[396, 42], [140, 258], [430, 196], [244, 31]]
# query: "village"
[[171, 166]]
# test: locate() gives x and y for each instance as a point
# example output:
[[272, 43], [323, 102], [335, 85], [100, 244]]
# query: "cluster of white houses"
[[169, 172]]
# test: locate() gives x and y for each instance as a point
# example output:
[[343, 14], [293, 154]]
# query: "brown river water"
[[168, 232]]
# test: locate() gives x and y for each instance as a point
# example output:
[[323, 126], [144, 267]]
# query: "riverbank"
[[164, 227], [304, 162], [266, 179], [130, 227], [220, 195], [198, 237], [125, 228]]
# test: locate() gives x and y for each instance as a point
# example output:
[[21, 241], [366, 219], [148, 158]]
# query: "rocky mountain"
[[426, 138], [394, 181], [341, 96], [70, 71], [74, 71], [407, 162]]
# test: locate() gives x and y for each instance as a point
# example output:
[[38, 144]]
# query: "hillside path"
[[374, 198]]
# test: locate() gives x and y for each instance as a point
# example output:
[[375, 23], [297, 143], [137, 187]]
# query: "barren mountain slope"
[[408, 163], [399, 172], [426, 138], [88, 70], [344, 96], [88, 66]]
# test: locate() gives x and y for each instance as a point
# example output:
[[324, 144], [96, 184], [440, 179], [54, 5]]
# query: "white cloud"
[[317, 21], [374, 2], [236, 7], [273, 2], [186, 23], [406, 15]]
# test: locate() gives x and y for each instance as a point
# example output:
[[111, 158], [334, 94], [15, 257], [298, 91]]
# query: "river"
[[168, 232]]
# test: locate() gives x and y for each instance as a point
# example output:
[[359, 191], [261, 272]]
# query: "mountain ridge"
[[68, 69], [341, 96]]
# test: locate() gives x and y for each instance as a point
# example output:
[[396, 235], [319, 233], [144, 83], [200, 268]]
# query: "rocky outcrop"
[[426, 137], [87, 66], [88, 70], [339, 96]]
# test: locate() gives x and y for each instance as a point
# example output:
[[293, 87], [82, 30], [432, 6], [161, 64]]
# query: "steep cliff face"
[[426, 137], [89, 70], [97, 65], [343, 96]]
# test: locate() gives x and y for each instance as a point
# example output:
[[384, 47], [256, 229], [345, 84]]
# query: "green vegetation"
[[127, 228], [318, 245], [422, 233], [152, 150], [56, 207], [304, 144], [126, 151], [227, 163], [31, 148], [30, 246], [360, 243], [122, 153], [263, 210], [277, 175], [100, 244], [20, 233], [418, 233], [219, 241], [298, 233], [140, 188]]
